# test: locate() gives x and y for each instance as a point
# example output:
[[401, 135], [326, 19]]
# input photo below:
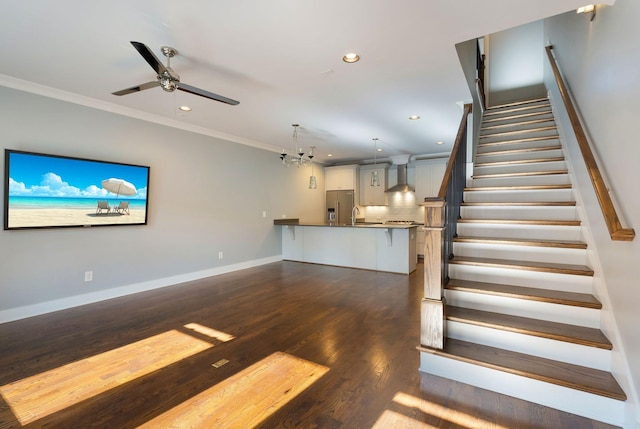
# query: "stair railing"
[[441, 214], [616, 231]]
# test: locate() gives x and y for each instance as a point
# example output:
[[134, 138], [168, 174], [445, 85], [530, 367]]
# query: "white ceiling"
[[280, 58]]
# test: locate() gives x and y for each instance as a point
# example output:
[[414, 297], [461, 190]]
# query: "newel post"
[[432, 319]]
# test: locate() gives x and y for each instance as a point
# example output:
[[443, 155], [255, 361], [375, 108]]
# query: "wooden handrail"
[[616, 231], [442, 193]]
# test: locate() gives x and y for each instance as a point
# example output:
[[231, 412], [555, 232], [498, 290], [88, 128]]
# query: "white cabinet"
[[429, 174], [420, 241], [341, 177], [373, 195]]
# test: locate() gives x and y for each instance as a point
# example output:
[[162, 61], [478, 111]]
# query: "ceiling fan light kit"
[[168, 79]]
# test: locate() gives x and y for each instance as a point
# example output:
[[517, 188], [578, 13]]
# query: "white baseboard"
[[89, 298]]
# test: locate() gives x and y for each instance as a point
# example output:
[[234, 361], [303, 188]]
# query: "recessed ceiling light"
[[185, 108], [379, 149], [439, 142], [329, 154], [351, 57], [414, 117]]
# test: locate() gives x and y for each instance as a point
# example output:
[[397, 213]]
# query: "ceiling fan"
[[167, 79]]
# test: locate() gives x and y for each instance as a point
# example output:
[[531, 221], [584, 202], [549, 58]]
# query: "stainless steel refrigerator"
[[340, 206]]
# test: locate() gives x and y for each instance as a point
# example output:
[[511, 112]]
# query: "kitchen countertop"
[[335, 225]]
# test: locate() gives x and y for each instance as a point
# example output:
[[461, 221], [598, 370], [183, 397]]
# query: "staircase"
[[521, 317]]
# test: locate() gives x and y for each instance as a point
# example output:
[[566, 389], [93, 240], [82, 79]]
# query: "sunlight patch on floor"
[[210, 332], [40, 395], [456, 417], [391, 419], [245, 399]]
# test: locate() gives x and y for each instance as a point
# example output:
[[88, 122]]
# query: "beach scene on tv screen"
[[49, 191]]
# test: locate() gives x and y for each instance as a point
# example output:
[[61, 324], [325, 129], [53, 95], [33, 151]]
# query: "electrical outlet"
[[264, 213], [220, 255], [88, 276]]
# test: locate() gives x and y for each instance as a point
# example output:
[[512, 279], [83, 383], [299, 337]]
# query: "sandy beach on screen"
[[20, 218]]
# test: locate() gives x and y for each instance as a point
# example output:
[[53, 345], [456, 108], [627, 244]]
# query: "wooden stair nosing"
[[521, 203], [574, 334], [551, 296], [519, 103], [494, 111], [515, 141], [544, 267], [542, 222], [519, 151], [516, 124], [519, 188], [519, 116], [520, 174], [519, 162], [510, 133], [563, 374], [557, 244]]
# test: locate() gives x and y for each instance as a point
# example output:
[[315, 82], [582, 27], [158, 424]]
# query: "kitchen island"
[[380, 247]]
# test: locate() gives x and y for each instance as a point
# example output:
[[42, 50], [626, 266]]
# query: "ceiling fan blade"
[[201, 92], [137, 88], [153, 61]]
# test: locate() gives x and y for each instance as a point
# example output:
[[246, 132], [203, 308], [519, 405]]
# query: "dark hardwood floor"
[[361, 325]]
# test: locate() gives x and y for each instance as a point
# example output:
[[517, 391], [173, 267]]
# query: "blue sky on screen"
[[34, 175]]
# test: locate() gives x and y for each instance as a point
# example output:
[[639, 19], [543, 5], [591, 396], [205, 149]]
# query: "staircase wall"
[[599, 61]]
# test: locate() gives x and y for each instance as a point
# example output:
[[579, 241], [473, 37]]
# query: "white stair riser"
[[544, 232], [590, 357], [521, 253], [579, 316], [515, 118], [515, 144], [572, 401], [522, 196], [542, 280], [521, 125], [519, 212], [520, 135], [549, 179], [520, 168], [517, 156]]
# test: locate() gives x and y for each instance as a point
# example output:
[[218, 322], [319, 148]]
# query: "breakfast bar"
[[379, 247]]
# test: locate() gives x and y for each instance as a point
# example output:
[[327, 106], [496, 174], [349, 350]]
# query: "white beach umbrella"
[[119, 187]]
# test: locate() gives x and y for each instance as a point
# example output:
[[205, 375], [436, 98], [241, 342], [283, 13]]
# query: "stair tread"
[[520, 174], [517, 124], [523, 203], [550, 267], [521, 150], [493, 111], [522, 140], [518, 187], [519, 103], [519, 116], [508, 133], [568, 244], [542, 222], [539, 328], [563, 374], [519, 161], [529, 293]]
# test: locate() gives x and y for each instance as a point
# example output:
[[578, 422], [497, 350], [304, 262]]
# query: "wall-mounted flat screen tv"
[[51, 191]]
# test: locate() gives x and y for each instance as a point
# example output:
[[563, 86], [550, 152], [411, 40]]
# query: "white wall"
[[600, 61], [205, 195], [515, 64]]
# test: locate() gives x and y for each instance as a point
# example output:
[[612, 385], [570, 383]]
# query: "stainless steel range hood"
[[401, 164]]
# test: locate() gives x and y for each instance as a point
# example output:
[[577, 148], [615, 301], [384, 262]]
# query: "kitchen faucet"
[[354, 212]]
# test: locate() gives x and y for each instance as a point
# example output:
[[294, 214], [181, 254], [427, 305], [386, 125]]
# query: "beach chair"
[[123, 207], [103, 205]]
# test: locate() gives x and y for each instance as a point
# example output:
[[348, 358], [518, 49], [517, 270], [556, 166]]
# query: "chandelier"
[[298, 157]]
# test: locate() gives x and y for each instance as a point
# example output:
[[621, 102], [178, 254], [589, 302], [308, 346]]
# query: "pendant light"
[[375, 179], [313, 184]]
